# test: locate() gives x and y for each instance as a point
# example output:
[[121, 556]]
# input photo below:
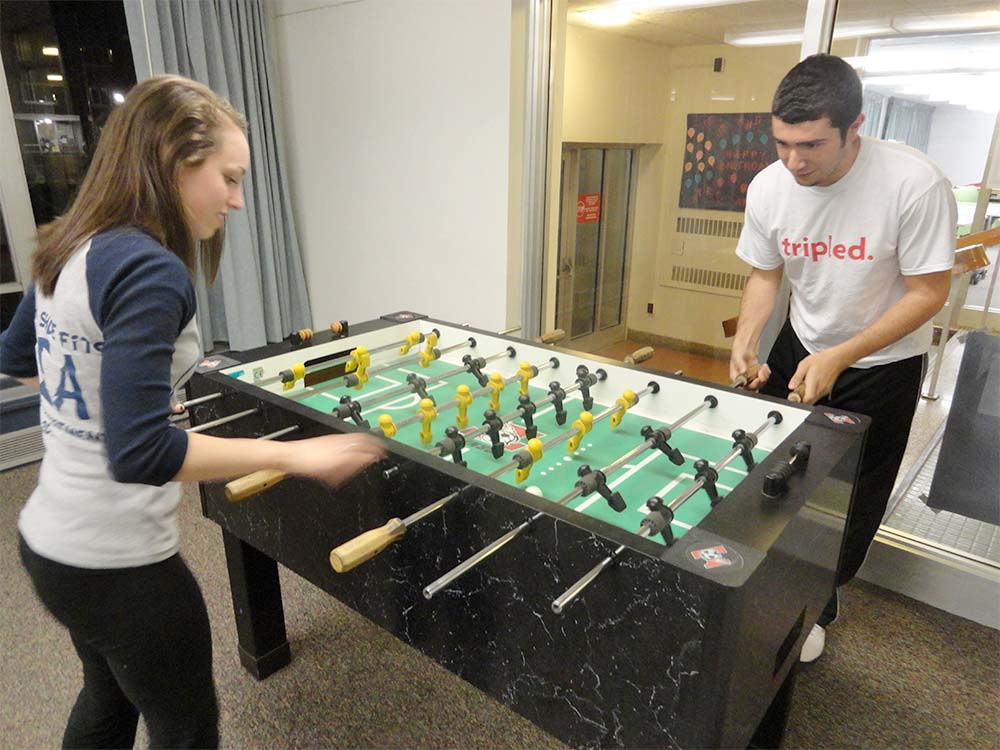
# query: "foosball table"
[[625, 558]]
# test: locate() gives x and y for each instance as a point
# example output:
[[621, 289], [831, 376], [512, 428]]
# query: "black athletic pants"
[[886, 393], [143, 638]]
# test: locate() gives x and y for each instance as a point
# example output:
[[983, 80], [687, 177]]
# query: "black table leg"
[[260, 616], [771, 730]]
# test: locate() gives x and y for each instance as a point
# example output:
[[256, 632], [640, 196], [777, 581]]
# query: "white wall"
[[959, 142], [397, 116]]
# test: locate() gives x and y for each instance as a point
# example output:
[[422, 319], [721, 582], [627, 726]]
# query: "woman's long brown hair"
[[166, 122]]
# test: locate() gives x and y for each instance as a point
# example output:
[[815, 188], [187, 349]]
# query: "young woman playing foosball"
[[107, 332]]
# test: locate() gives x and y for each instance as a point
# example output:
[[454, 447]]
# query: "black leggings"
[[886, 393], [143, 637]]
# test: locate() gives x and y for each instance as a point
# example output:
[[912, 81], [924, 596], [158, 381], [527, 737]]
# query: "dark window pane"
[[65, 62]]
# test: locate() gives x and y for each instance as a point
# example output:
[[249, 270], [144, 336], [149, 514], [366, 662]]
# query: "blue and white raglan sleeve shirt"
[[110, 346]]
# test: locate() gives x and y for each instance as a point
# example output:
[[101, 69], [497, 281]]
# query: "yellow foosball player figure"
[[496, 385], [463, 395], [427, 415]]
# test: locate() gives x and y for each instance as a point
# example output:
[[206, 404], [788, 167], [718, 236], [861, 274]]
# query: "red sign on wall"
[[588, 207]]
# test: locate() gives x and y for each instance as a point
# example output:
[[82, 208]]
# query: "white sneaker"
[[813, 647]]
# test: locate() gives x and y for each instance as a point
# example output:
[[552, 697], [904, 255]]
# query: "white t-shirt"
[[847, 247]]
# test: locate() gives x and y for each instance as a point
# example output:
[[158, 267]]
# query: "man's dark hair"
[[819, 86]]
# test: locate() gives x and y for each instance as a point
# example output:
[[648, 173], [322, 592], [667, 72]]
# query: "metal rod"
[[337, 360], [495, 546], [223, 420], [416, 357], [559, 604], [612, 467], [616, 465], [511, 415], [547, 365], [699, 483], [956, 299], [573, 431], [200, 400], [454, 402], [428, 509], [278, 433], [337, 382], [406, 388], [462, 568]]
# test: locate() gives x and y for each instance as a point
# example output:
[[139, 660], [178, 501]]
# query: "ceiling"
[[967, 52], [708, 25]]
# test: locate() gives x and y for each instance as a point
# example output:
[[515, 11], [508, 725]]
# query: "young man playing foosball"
[[864, 231]]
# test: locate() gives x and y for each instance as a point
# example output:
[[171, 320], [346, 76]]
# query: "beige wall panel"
[[615, 88], [746, 84]]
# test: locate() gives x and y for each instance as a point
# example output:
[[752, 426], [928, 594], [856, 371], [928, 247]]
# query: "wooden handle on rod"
[[743, 378], [251, 484], [557, 334], [639, 355], [351, 554]]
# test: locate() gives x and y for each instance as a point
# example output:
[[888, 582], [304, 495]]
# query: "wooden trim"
[[988, 237]]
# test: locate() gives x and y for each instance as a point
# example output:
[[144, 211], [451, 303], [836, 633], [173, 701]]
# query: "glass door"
[[595, 224]]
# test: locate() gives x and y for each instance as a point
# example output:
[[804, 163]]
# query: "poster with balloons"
[[722, 153]]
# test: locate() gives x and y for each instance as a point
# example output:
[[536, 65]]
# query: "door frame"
[[599, 339], [15, 201]]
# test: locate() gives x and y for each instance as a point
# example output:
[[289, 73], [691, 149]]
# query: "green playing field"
[[647, 474]]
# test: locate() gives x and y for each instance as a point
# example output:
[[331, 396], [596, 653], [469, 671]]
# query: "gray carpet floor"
[[896, 674]]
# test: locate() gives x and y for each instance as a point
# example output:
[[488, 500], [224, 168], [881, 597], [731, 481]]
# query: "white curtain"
[[260, 293], [873, 106], [908, 122]]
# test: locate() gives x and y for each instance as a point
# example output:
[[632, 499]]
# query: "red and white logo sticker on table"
[[839, 418], [715, 557], [513, 436]]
